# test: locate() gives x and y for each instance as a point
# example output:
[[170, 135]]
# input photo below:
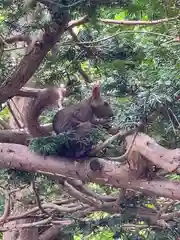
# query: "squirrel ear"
[[96, 92]]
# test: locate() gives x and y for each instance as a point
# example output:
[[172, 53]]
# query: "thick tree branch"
[[14, 136], [115, 174]]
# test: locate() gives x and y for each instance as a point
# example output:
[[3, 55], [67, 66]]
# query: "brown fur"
[[70, 117]]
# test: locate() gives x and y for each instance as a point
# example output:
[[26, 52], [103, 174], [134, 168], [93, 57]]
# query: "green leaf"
[[120, 15]]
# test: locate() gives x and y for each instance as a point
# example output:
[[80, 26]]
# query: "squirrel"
[[80, 116]]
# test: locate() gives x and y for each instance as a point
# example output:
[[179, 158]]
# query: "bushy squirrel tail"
[[46, 98]]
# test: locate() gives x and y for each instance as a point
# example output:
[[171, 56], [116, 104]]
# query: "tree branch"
[[139, 22], [32, 92], [14, 136], [80, 196], [85, 19], [78, 22], [18, 38], [31, 61]]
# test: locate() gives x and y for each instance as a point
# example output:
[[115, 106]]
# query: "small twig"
[[125, 155], [66, 201], [4, 124], [174, 116], [6, 212], [165, 208], [13, 49], [106, 143], [38, 201], [121, 196], [78, 195], [87, 191], [49, 206], [62, 222], [2, 41], [34, 224], [78, 22]]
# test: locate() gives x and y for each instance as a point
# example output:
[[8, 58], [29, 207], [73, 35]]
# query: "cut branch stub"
[[96, 165]]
